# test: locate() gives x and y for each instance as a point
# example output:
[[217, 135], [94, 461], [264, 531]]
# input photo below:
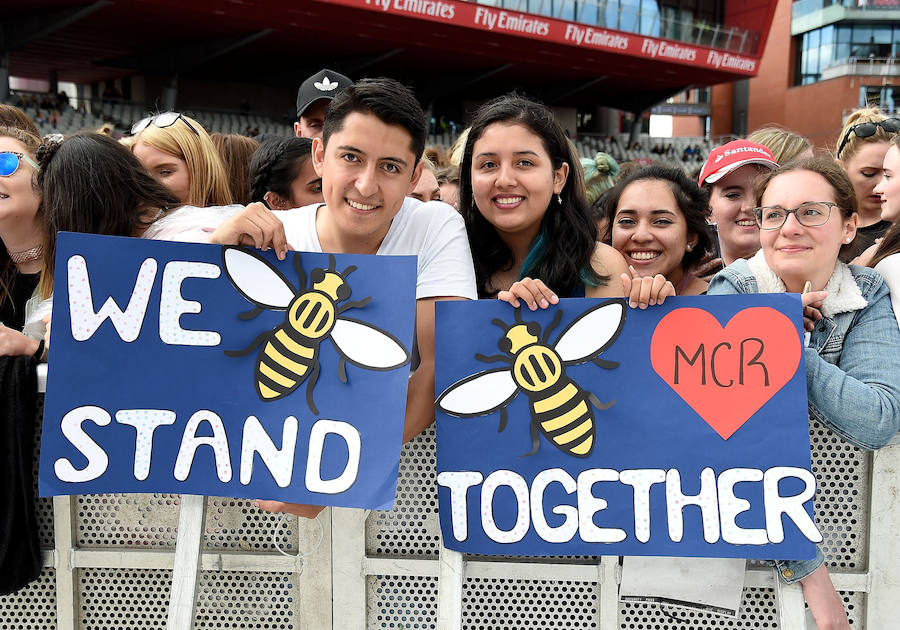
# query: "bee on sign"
[[290, 353], [560, 408]]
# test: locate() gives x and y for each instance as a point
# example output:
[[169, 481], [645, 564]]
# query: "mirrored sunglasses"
[[9, 162]]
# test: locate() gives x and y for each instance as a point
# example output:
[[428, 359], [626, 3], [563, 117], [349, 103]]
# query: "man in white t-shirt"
[[368, 159]]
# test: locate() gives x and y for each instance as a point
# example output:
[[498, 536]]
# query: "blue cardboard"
[[173, 396]]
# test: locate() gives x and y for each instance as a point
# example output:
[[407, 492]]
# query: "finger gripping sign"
[[198, 369], [595, 429]]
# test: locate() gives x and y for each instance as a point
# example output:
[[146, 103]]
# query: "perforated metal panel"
[[44, 506], [757, 613], [31, 608], [238, 525], [401, 603], [855, 605], [128, 598], [842, 499], [239, 601], [122, 599], [412, 527], [127, 520], [490, 603]]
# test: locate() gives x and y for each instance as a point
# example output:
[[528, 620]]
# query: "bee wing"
[[591, 333], [366, 346], [479, 394], [256, 279]]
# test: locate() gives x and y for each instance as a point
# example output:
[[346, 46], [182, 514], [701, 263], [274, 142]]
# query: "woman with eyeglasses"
[[807, 213], [860, 150], [22, 237], [178, 153]]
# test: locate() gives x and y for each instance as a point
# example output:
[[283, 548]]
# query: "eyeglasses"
[[166, 119], [868, 129], [809, 214], [9, 162]]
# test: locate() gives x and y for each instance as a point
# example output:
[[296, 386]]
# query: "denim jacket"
[[852, 361]]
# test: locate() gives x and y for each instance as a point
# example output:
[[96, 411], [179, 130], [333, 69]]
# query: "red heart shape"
[[725, 374]]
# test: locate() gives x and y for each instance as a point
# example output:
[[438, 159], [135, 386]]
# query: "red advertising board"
[[542, 28]]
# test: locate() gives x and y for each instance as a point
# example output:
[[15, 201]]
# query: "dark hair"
[[844, 195], [236, 151], [568, 235], [276, 164], [691, 199], [90, 183], [388, 100]]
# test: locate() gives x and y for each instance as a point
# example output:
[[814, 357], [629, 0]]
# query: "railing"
[[637, 16], [109, 558], [862, 67], [807, 7]]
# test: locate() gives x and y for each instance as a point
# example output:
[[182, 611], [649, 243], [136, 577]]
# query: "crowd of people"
[[509, 212]]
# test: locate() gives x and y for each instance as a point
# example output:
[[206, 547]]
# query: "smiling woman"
[[21, 234], [659, 225], [525, 206]]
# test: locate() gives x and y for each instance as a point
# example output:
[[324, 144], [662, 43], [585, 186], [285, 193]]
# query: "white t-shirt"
[[190, 224], [889, 268], [432, 231]]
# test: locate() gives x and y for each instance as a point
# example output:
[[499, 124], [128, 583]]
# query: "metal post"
[[186, 576], [790, 606], [348, 559], [608, 596], [884, 581], [451, 574], [64, 546]]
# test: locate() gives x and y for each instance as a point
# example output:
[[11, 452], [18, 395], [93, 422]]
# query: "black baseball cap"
[[324, 84]]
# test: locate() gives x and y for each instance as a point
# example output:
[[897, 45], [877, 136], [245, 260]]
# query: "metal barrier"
[[109, 559]]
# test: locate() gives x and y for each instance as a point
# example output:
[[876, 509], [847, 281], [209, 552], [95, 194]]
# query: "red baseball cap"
[[729, 157]]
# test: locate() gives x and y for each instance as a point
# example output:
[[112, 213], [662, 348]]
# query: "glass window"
[[861, 34], [844, 33], [827, 35], [882, 34], [841, 51], [826, 56]]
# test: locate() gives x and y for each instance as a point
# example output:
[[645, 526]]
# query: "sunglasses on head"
[[9, 162], [868, 129], [166, 119]]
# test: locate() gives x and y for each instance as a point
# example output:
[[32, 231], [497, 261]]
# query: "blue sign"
[[595, 429], [200, 369]]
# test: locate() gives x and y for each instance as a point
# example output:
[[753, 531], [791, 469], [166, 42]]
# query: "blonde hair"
[[784, 144], [855, 143], [209, 182], [599, 175], [458, 148]]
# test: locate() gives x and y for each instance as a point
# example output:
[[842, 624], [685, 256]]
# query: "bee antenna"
[[499, 322], [518, 315], [331, 262], [348, 271]]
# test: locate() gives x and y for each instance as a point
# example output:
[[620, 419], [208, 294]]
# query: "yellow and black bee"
[[289, 354], [560, 408]]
